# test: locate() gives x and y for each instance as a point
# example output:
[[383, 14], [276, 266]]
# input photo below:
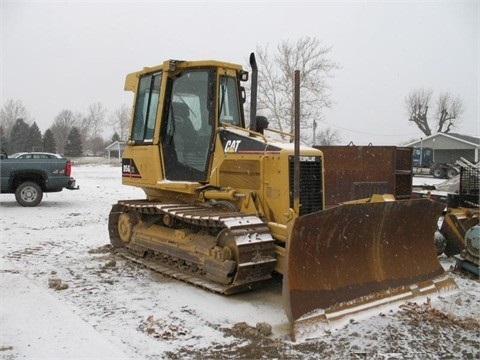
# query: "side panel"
[[141, 166], [6, 167]]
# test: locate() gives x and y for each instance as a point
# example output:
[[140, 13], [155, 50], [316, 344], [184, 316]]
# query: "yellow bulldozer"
[[227, 206]]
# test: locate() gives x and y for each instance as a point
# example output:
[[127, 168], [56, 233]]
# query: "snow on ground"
[[65, 294], [426, 180]]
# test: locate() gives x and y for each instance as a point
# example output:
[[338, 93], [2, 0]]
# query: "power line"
[[366, 133]]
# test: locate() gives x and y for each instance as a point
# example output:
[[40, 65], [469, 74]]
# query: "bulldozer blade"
[[351, 258]]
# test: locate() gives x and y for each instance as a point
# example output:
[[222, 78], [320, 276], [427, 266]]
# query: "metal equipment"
[[468, 259], [460, 225], [356, 172]]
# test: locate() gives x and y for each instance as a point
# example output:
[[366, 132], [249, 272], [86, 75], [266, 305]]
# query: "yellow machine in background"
[[220, 204], [460, 225]]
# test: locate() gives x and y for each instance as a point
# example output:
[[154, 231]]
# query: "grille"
[[311, 186]]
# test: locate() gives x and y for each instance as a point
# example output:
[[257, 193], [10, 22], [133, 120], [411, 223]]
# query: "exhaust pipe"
[[253, 93]]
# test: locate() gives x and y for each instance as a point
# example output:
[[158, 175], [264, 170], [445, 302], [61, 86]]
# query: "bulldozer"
[[227, 206]]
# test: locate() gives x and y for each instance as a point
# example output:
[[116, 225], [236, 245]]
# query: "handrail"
[[292, 136]]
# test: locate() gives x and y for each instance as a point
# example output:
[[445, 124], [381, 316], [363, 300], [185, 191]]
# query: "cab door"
[[188, 125]]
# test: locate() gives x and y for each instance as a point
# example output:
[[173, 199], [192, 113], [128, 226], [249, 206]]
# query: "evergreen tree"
[[3, 140], [19, 137], [48, 141], [115, 137], [34, 141], [74, 146]]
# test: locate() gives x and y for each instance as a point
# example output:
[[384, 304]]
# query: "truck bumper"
[[72, 184]]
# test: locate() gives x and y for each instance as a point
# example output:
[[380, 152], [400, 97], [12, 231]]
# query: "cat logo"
[[232, 145]]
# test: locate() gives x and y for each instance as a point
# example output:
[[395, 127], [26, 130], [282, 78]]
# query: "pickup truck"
[[28, 179]]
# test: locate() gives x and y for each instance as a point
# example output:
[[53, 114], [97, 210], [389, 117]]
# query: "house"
[[115, 149], [449, 147]]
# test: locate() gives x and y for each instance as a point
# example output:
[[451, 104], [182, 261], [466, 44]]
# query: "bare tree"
[[447, 115], [94, 122], [120, 121], [449, 111], [97, 145], [327, 137], [417, 104], [275, 82], [11, 111], [62, 125]]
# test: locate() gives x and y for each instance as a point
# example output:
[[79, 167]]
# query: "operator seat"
[[183, 124], [181, 160]]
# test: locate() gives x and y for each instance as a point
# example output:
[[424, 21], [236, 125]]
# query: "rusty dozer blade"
[[350, 258]]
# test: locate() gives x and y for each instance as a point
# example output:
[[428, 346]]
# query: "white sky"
[[59, 55]]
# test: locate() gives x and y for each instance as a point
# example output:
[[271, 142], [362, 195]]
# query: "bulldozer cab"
[[189, 102]]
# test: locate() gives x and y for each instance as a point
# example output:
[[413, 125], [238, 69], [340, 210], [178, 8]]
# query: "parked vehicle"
[[423, 164], [35, 155], [28, 178]]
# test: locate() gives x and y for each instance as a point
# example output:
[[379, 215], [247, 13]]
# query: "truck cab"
[[422, 157]]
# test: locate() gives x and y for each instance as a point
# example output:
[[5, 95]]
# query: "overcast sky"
[[59, 55]]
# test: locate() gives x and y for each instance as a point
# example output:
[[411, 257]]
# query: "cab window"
[[229, 111], [146, 107]]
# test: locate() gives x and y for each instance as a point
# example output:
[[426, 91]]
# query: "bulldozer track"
[[247, 235]]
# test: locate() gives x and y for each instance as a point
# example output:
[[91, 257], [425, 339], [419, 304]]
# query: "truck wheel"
[[451, 172], [28, 194], [438, 173]]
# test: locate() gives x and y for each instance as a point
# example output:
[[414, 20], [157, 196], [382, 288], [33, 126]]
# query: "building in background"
[[115, 150], [448, 148]]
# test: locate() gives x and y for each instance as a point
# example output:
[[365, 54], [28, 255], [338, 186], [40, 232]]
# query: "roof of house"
[[471, 140], [466, 138], [116, 145]]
